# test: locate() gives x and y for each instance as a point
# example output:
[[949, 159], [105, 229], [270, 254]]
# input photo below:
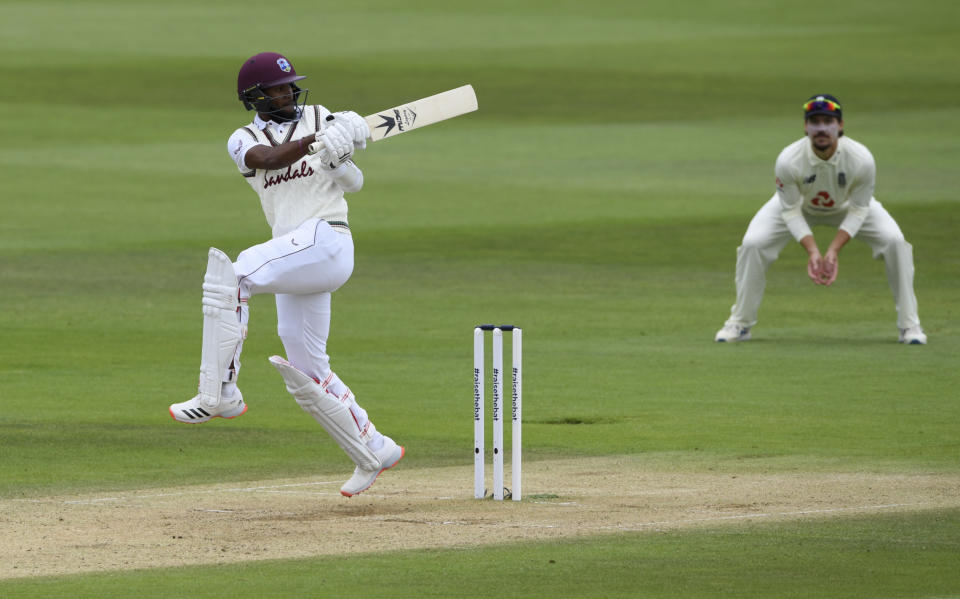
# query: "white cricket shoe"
[[389, 455], [731, 332], [913, 336], [193, 413]]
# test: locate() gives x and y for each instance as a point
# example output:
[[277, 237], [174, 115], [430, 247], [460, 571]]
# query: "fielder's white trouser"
[[767, 235], [302, 268]]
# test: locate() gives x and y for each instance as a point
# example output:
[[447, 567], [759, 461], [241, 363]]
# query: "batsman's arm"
[[267, 158], [348, 176]]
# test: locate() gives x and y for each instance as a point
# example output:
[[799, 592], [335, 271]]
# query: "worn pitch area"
[[417, 508]]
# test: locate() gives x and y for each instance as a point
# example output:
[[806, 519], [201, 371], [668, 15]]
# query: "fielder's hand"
[[356, 125], [333, 144], [830, 267], [815, 268], [823, 270]]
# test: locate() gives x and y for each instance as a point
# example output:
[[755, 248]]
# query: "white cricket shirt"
[[808, 185], [301, 191]]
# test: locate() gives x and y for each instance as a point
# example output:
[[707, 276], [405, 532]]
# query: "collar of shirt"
[[279, 127]]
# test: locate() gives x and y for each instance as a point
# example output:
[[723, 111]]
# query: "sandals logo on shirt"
[[290, 175]]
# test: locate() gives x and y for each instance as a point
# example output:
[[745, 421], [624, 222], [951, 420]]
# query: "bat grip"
[[315, 147]]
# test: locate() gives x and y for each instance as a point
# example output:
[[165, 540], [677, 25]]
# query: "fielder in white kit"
[[309, 257], [824, 178]]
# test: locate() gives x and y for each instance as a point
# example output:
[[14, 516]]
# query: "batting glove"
[[333, 145], [356, 125]]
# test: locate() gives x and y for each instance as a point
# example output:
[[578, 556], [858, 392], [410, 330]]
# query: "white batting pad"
[[222, 331], [332, 414]]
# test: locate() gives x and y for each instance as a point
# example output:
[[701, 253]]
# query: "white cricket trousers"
[[768, 234], [302, 268]]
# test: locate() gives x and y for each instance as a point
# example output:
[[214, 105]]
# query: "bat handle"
[[315, 147]]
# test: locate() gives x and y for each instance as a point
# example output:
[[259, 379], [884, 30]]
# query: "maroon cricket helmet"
[[263, 71]]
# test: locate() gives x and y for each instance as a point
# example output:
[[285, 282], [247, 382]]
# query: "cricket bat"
[[416, 114]]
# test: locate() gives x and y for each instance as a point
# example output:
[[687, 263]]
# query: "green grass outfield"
[[597, 198]]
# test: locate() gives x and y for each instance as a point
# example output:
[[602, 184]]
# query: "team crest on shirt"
[[822, 200], [284, 64]]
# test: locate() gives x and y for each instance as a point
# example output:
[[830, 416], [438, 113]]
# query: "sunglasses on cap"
[[821, 104]]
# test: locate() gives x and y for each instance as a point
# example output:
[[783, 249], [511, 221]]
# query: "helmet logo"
[[284, 64]]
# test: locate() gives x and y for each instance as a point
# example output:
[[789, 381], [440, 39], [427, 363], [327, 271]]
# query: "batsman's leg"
[[303, 323], [338, 417], [223, 333], [313, 258]]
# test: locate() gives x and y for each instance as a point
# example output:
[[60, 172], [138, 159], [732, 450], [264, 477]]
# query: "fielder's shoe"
[[193, 413], [732, 332], [389, 455], [913, 336]]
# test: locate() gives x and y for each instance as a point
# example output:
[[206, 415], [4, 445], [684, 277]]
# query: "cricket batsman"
[[824, 178], [310, 256]]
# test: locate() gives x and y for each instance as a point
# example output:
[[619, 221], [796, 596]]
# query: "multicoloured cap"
[[822, 104]]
